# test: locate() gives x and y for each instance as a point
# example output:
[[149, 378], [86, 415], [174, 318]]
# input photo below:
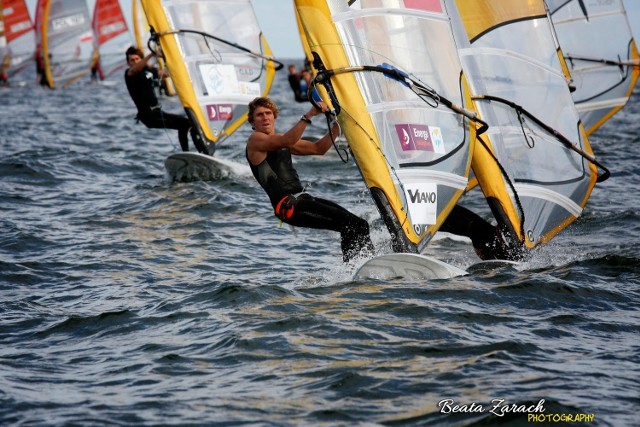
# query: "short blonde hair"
[[262, 101]]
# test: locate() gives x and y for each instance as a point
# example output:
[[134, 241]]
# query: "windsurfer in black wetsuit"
[[140, 83], [295, 78], [269, 156]]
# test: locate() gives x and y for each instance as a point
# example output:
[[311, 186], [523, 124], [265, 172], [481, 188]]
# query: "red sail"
[[108, 20], [16, 19]]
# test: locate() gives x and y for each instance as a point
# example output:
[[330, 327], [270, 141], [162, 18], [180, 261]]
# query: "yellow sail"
[[408, 136], [535, 166], [217, 57]]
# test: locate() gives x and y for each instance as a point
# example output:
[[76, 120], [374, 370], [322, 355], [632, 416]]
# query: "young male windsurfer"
[[269, 156], [140, 83]]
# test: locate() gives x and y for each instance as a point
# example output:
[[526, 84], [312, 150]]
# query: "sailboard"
[[534, 165], [112, 37], [217, 57], [406, 266], [403, 110], [65, 46], [19, 36], [599, 48]]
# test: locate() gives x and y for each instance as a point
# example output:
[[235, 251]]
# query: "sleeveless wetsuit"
[[141, 89], [279, 179]]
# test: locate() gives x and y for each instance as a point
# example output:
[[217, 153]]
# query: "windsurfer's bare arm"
[[321, 146], [264, 139]]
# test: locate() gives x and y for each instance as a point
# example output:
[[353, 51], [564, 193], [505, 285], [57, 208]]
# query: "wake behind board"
[[406, 265], [186, 166]]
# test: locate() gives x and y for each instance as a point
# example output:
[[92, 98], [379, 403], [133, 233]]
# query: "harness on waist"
[[285, 207], [152, 109]]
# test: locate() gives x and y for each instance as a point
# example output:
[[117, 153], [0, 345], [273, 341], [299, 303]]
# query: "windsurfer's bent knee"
[[269, 156]]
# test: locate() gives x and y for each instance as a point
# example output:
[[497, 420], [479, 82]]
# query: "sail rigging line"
[[619, 63], [331, 118], [424, 92], [205, 35], [566, 142]]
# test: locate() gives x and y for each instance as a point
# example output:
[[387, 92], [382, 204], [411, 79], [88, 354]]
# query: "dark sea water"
[[126, 299]]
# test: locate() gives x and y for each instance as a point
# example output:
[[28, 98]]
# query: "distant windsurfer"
[[40, 71], [269, 156], [4, 78], [140, 83], [295, 79]]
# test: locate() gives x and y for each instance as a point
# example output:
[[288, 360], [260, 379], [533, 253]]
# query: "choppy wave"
[[128, 299]]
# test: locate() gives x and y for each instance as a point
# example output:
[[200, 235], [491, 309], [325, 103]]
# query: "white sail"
[[534, 165], [599, 48], [65, 37]]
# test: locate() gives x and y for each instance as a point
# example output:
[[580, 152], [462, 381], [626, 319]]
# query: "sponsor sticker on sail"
[[422, 199], [420, 137], [222, 80], [220, 111]]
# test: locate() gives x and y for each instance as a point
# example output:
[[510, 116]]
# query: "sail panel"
[[415, 153], [513, 69], [598, 45], [66, 40], [112, 36], [19, 35], [214, 78]]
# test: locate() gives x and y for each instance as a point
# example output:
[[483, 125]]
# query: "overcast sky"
[[278, 22]]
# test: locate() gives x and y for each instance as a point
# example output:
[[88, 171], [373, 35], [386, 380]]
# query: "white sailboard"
[[406, 266]]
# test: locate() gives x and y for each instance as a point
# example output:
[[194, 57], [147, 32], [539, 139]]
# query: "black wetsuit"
[[487, 240], [141, 89], [291, 204], [294, 82]]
